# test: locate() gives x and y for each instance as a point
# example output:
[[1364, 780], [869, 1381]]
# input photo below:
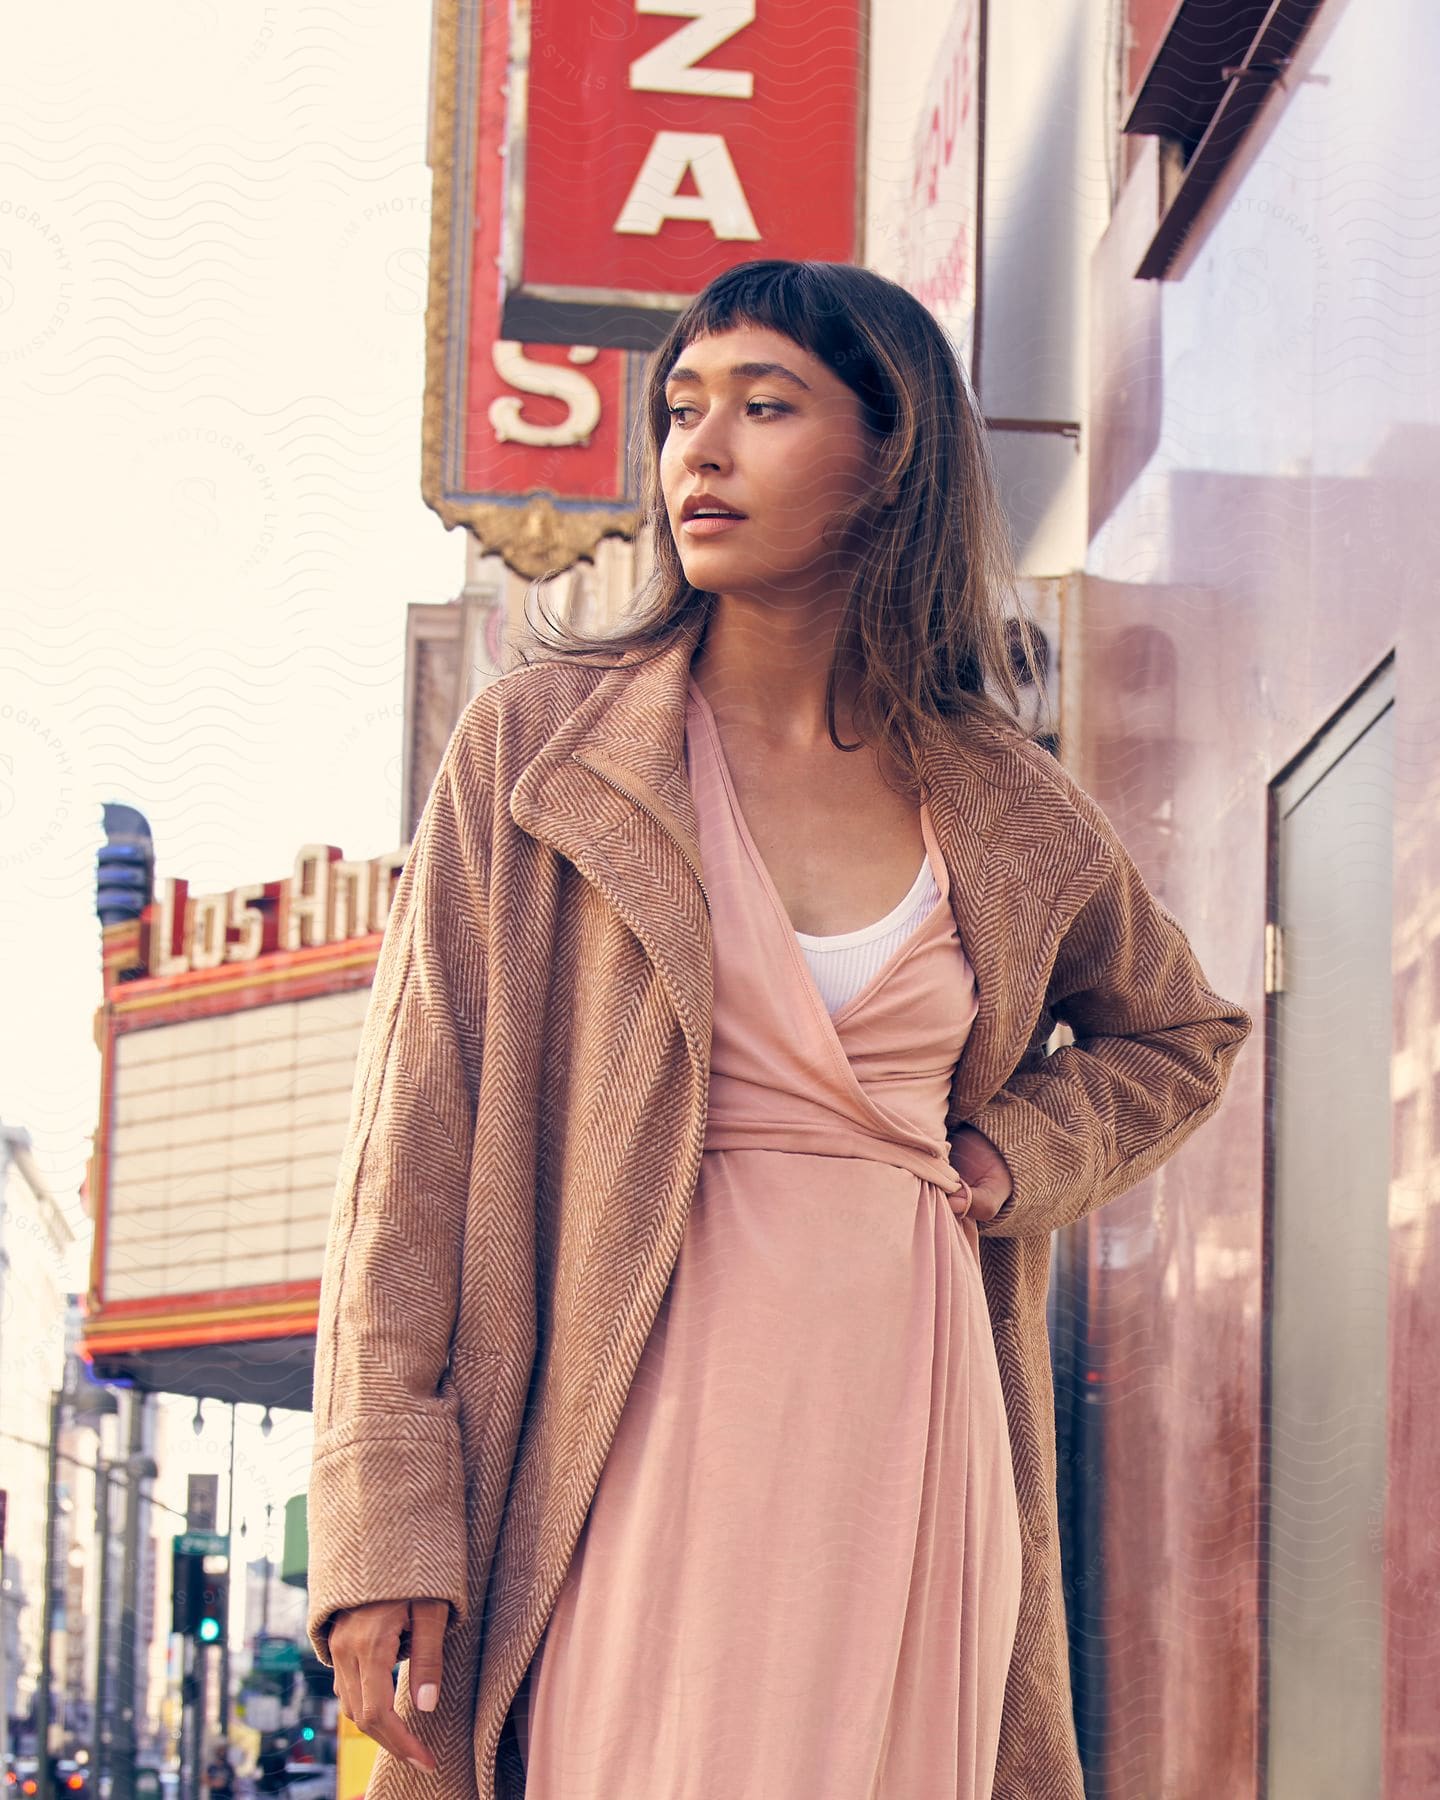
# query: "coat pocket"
[[471, 1379]]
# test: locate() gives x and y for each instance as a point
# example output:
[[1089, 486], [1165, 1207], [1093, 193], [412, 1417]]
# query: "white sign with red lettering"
[[938, 252]]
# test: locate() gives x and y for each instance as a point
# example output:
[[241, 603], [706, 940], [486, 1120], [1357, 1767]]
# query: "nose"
[[706, 444]]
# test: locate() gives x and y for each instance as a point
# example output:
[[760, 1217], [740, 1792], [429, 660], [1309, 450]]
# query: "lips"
[[708, 505]]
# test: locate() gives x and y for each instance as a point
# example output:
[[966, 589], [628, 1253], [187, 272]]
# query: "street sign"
[[277, 1656], [202, 1543], [262, 1712], [202, 1501]]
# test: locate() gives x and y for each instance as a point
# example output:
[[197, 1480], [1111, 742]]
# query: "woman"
[[673, 1427], [219, 1774]]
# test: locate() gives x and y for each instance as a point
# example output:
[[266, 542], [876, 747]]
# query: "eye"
[[767, 405]]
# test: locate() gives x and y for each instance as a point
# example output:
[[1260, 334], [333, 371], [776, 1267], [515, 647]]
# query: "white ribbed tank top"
[[844, 962]]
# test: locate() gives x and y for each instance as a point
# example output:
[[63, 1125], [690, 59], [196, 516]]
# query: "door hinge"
[[1274, 958]]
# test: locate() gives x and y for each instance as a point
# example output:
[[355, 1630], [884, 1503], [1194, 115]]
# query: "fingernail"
[[416, 1763], [427, 1696]]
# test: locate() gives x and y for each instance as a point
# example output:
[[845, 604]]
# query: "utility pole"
[[9, 1140], [265, 1591], [47, 1612], [192, 1720], [141, 1468], [99, 1744], [230, 1553], [4, 1605], [4, 1674], [16, 1149]]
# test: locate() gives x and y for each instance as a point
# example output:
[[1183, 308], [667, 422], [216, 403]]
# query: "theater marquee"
[[229, 1033]]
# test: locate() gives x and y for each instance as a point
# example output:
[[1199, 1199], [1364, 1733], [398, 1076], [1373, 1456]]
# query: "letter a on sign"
[[719, 198]]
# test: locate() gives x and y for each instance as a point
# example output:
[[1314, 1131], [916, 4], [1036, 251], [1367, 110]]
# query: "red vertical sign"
[[524, 440], [653, 144], [938, 246]]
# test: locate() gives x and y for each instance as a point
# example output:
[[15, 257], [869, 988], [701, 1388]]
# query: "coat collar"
[[609, 790]]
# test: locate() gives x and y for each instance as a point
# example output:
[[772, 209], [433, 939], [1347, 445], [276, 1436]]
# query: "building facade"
[[1254, 656], [35, 1275]]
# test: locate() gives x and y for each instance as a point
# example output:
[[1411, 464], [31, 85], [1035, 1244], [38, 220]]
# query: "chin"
[[711, 571]]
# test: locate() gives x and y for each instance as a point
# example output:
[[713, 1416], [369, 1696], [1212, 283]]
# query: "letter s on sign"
[[580, 394]]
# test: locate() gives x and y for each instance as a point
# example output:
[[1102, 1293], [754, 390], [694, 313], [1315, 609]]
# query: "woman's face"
[[765, 429]]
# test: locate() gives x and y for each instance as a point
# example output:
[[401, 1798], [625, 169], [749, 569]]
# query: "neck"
[[765, 665]]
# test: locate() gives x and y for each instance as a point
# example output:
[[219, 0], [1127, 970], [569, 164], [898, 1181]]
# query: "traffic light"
[[319, 1680], [200, 1596], [185, 1568], [212, 1601]]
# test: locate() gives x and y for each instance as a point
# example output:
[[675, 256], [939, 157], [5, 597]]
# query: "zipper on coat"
[[620, 788]]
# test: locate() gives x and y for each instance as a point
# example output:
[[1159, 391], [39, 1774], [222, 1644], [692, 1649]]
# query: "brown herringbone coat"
[[528, 1117]]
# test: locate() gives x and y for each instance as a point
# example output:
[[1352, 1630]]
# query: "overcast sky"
[[214, 227]]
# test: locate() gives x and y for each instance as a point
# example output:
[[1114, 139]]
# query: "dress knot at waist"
[[805, 1137]]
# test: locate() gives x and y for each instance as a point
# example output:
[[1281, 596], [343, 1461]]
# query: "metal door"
[[1331, 1026]]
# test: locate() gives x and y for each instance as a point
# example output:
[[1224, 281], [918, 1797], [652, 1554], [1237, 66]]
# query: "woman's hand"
[[984, 1171], [365, 1646]]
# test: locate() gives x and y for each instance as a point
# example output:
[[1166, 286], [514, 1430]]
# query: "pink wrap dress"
[[799, 1575]]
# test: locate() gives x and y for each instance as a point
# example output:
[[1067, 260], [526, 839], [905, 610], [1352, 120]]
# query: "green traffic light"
[[209, 1630], [308, 1734]]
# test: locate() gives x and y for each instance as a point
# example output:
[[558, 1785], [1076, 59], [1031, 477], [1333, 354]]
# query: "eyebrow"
[[747, 371]]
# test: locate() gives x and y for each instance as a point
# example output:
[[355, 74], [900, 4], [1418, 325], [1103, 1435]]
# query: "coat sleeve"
[[386, 1503], [1153, 1049]]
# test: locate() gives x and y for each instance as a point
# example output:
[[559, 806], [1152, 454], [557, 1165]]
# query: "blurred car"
[[309, 1781], [69, 1778], [168, 1781]]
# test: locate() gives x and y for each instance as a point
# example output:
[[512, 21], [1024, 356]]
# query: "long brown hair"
[[932, 622]]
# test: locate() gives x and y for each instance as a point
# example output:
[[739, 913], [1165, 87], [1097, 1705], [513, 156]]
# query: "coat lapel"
[[609, 790], [1022, 861]]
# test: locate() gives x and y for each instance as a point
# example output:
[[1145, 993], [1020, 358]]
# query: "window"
[[1213, 71]]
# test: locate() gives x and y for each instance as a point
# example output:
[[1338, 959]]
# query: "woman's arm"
[[387, 1491], [1154, 1045]]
